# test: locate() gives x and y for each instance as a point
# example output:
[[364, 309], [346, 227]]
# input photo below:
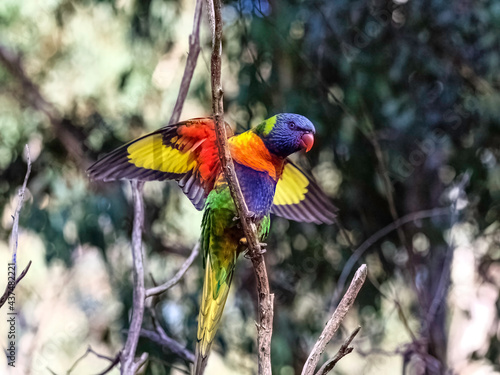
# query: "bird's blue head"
[[286, 133]]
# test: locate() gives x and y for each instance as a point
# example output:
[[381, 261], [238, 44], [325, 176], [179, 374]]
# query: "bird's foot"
[[263, 248], [252, 216], [247, 253]]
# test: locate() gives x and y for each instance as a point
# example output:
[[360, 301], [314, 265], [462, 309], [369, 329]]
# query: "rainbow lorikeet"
[[270, 183]]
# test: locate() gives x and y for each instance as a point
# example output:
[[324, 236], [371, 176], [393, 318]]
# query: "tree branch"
[[114, 361], [343, 351], [127, 358], [444, 279], [266, 299], [194, 51], [174, 280], [10, 289], [169, 343], [14, 237], [336, 319], [140, 293]]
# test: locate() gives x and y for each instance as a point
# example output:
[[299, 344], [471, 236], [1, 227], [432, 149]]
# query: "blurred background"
[[405, 98]]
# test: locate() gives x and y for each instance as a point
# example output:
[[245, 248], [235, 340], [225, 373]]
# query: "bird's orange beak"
[[307, 141]]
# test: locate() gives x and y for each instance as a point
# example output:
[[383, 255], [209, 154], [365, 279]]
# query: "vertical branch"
[[336, 319], [194, 51], [15, 226], [14, 237], [266, 299], [444, 279], [127, 358]]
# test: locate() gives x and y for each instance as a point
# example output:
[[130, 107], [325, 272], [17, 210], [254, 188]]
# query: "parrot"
[[270, 183]]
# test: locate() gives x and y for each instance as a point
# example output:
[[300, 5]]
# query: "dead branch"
[[114, 361], [15, 227], [344, 350], [266, 299], [336, 319], [14, 237], [194, 51], [174, 280], [127, 358], [159, 335], [168, 343], [444, 279], [10, 289]]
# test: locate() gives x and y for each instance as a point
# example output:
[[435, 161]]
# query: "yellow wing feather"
[[151, 153], [299, 198]]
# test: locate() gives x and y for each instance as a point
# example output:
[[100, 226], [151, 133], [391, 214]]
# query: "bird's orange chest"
[[249, 150]]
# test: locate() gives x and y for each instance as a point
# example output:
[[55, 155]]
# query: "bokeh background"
[[405, 98]]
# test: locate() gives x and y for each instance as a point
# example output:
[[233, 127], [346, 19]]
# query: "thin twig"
[[114, 361], [194, 51], [174, 280], [162, 336], [111, 365], [129, 366], [342, 352], [444, 279], [266, 299], [336, 319], [169, 343], [14, 237], [15, 227], [10, 289], [358, 253]]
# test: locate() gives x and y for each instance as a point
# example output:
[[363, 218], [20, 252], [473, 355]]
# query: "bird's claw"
[[246, 254], [263, 247], [252, 216]]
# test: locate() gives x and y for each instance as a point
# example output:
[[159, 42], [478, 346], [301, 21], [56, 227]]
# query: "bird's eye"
[[292, 125]]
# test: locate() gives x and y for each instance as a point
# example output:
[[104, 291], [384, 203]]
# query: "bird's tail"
[[215, 290]]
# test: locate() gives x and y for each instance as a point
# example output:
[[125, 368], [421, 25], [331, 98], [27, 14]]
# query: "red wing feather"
[[185, 152]]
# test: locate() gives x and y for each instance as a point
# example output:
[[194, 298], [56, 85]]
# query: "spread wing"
[[299, 198], [185, 152]]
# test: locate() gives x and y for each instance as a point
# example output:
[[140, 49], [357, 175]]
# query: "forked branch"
[[336, 319]]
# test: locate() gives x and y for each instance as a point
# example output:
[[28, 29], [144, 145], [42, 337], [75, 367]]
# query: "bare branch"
[[129, 366], [9, 289], [266, 299], [169, 343], [14, 237], [336, 319], [343, 351], [174, 280], [15, 228], [128, 353], [194, 51], [114, 361], [444, 279], [111, 365], [159, 335]]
